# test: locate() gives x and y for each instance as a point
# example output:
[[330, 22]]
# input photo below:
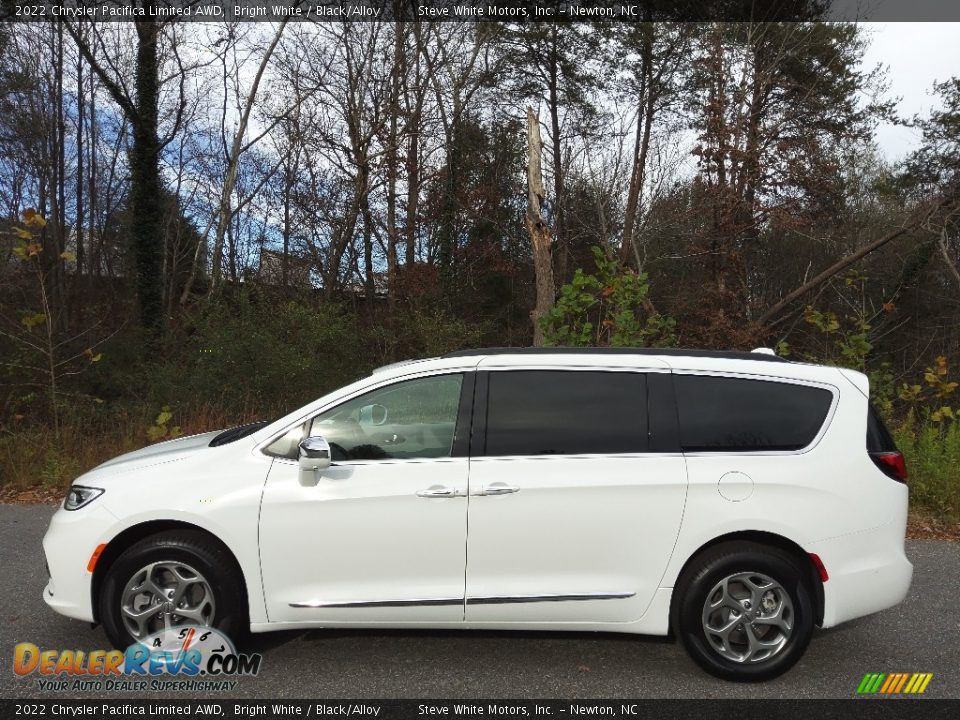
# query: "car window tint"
[[406, 420], [547, 412], [737, 414]]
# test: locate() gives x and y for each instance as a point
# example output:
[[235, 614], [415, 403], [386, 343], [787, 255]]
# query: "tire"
[[216, 588], [760, 615]]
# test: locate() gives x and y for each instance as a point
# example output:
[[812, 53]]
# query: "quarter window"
[[545, 412], [406, 420], [737, 414]]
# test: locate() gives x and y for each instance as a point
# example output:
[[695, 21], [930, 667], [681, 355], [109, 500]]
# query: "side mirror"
[[372, 415], [313, 458]]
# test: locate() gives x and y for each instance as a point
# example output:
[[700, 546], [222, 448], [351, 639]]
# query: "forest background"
[[207, 223]]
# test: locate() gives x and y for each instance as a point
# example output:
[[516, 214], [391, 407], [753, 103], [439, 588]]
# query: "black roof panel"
[[668, 352]]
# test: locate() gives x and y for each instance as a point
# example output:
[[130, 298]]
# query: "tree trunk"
[[448, 220], [145, 203], [412, 130], [540, 236], [413, 189], [559, 193], [641, 148], [393, 160], [92, 173], [845, 262], [285, 260], [56, 235], [78, 224], [369, 284], [145, 187], [224, 213], [945, 252]]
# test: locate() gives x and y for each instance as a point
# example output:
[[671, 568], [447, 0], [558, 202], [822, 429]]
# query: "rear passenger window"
[[534, 412], [736, 415]]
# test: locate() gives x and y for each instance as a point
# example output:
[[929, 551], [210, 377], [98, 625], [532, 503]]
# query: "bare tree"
[[237, 147], [540, 236], [141, 107], [656, 84]]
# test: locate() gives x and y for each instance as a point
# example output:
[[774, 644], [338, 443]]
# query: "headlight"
[[79, 495]]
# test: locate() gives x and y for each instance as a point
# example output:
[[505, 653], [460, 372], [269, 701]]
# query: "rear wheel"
[[168, 580], [744, 611]]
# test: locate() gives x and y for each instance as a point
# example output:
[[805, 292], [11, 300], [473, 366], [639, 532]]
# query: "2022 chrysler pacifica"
[[736, 499]]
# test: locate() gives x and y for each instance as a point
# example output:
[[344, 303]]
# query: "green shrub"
[[421, 333], [932, 452], [274, 356], [608, 307]]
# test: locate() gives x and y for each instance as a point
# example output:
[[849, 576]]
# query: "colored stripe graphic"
[[870, 683], [891, 681], [894, 683]]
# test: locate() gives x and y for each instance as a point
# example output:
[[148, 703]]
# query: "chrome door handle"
[[437, 491], [499, 489]]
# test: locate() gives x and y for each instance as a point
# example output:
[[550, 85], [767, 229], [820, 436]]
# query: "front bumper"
[[70, 541]]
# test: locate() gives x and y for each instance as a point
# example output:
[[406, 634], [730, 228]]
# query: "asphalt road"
[[920, 635]]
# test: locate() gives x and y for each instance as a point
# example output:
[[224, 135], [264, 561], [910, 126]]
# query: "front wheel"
[[169, 580], [744, 611]]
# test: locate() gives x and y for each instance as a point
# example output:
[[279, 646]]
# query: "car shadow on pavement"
[[262, 642]]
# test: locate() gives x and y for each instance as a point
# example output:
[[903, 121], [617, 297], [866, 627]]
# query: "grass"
[[31, 456], [932, 451]]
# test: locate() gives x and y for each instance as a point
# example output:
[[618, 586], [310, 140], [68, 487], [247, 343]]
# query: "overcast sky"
[[917, 54]]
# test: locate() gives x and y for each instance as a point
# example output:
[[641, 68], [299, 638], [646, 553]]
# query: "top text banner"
[[482, 11]]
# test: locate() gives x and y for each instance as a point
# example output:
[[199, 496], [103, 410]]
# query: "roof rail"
[[768, 356], [392, 366]]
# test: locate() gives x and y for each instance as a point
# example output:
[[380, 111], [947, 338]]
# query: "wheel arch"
[[762, 538], [134, 534]]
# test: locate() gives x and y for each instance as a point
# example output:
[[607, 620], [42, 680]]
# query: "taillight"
[[820, 567], [892, 464]]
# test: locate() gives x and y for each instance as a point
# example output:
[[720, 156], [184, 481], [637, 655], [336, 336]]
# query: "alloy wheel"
[[163, 595], [748, 617]]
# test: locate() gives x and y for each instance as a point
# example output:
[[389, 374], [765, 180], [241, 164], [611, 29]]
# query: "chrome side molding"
[[478, 600], [571, 597], [376, 603]]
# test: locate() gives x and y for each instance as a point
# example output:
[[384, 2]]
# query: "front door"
[[381, 535], [572, 518]]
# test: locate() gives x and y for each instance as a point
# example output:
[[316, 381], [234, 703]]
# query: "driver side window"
[[411, 419]]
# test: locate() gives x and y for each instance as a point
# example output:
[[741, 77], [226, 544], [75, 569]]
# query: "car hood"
[[169, 451]]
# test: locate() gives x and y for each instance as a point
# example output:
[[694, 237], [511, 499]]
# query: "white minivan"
[[736, 500]]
